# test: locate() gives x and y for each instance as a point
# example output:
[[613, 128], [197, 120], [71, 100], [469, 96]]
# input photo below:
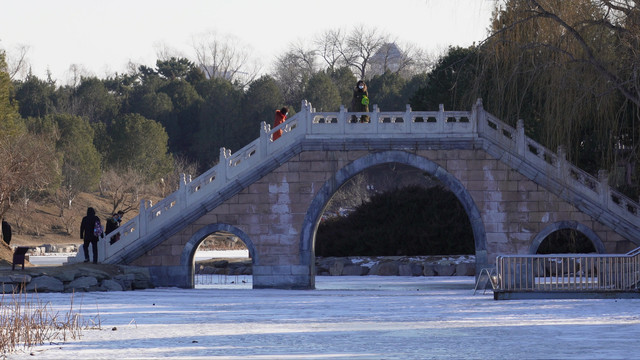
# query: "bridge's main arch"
[[320, 201]]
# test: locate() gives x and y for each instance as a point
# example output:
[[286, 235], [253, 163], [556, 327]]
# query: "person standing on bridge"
[[90, 230], [113, 223], [281, 116], [360, 101]]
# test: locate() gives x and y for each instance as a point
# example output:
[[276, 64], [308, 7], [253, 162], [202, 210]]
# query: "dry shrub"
[[27, 321]]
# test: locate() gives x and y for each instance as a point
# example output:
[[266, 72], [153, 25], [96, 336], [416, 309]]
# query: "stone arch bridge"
[[271, 194]]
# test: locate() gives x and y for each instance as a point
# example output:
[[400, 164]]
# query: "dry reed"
[[26, 321]]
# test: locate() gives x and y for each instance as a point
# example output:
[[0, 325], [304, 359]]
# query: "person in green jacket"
[[360, 101]]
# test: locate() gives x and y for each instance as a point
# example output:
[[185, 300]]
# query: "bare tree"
[[293, 70], [123, 188], [361, 44], [165, 52], [355, 192], [329, 45], [28, 162], [354, 49], [225, 57], [18, 63], [171, 181], [75, 74]]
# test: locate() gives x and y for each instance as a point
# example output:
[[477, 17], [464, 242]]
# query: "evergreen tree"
[[141, 144], [35, 96], [323, 93], [259, 104]]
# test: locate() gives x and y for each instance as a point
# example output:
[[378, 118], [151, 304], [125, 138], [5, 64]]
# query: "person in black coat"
[[113, 223], [6, 232], [87, 234]]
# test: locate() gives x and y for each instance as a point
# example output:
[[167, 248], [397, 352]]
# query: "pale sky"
[[103, 36]]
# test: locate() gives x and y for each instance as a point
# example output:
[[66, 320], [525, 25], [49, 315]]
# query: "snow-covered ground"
[[367, 317], [227, 254], [50, 259]]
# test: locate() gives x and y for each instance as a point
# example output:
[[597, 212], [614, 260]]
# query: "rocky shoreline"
[[80, 277], [455, 265], [83, 277]]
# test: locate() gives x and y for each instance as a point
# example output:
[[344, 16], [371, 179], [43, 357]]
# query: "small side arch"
[[573, 225], [189, 251]]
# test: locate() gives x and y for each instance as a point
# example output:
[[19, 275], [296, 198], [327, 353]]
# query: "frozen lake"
[[54, 259], [366, 317]]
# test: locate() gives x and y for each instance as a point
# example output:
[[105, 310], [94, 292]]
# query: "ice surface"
[[366, 317]]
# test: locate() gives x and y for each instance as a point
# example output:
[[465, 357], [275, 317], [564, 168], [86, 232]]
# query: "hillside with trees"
[[568, 69]]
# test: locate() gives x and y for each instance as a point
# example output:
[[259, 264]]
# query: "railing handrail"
[[633, 252], [473, 124]]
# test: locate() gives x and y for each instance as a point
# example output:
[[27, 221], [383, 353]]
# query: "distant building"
[[388, 57]]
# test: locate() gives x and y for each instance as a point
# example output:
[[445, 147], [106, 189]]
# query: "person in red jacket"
[[281, 116]]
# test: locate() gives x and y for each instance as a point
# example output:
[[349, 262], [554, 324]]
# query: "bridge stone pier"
[[271, 194]]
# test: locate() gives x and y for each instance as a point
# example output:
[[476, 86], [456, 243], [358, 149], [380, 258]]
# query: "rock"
[[220, 263], [67, 276], [142, 279], [465, 269], [207, 270], [336, 268], [84, 283], [8, 288], [15, 279], [92, 271], [416, 269], [445, 270], [354, 270], [428, 269], [45, 283], [111, 285], [410, 269], [405, 270], [389, 268], [125, 281]]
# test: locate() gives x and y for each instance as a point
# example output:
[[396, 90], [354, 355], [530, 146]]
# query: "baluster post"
[[375, 117], [407, 119], [142, 218], [562, 163], [182, 196], [478, 117], [223, 163], [342, 120], [304, 126], [441, 119], [603, 187], [264, 138], [521, 143]]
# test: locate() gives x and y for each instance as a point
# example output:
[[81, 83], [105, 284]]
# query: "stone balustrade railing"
[[532, 159]]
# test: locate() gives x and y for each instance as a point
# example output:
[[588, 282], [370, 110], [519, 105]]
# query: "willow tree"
[[568, 69]]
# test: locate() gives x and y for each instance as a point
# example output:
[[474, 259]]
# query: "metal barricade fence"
[[568, 272]]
